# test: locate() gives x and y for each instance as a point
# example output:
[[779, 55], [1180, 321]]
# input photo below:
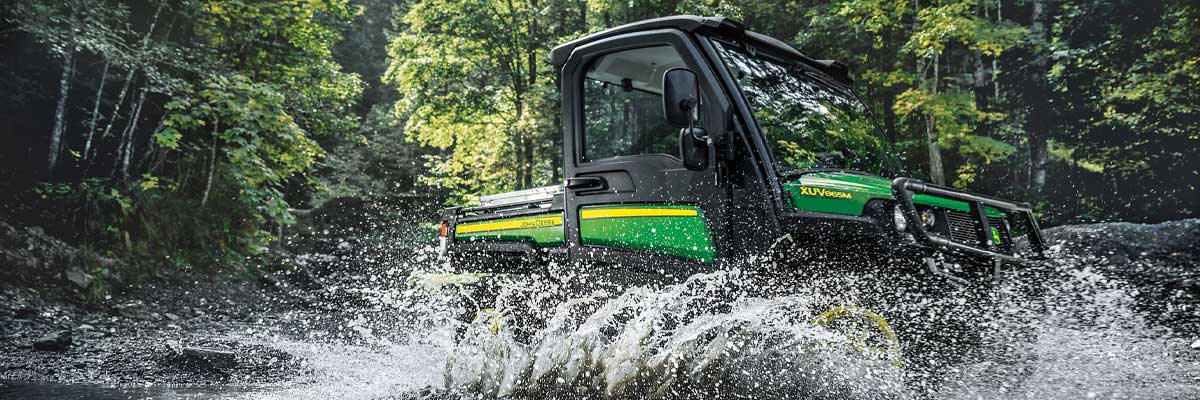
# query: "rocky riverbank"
[[1162, 261], [213, 329], [68, 315], [170, 329]]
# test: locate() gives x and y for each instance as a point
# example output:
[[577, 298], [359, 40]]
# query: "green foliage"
[[258, 143], [72, 25], [1138, 126], [966, 70], [97, 210], [377, 162], [247, 95], [469, 75], [288, 43]]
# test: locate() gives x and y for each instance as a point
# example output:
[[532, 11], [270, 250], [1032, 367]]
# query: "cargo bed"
[[505, 230]]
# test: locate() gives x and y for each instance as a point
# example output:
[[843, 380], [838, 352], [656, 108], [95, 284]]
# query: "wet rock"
[[1167, 244], [56, 341], [132, 312], [79, 278], [25, 313], [205, 359]]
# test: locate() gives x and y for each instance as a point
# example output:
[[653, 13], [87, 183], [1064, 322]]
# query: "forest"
[[187, 130]]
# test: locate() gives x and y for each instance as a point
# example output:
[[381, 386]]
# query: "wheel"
[[866, 331]]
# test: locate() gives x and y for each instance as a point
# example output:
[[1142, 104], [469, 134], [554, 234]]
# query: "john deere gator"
[[691, 143]]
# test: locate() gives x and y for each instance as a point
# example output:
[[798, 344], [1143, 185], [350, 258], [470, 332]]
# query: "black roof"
[[717, 26]]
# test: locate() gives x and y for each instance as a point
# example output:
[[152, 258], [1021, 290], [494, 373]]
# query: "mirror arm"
[[711, 152]]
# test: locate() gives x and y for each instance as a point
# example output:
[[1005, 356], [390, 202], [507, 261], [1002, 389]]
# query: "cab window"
[[622, 104]]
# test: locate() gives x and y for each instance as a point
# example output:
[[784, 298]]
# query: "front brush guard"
[[904, 188]]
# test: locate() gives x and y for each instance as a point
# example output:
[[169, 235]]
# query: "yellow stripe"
[[540, 222], [636, 212]]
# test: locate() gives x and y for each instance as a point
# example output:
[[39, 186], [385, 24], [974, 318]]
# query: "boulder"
[[207, 358], [56, 341], [79, 278], [25, 313]]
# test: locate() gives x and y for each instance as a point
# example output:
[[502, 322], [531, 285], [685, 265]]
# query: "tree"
[[68, 28], [471, 82], [221, 105], [1124, 108], [1039, 118]]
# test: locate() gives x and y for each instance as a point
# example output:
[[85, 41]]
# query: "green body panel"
[[681, 230], [679, 236], [847, 194], [548, 234]]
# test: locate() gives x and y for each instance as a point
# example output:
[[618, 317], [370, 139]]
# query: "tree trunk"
[[530, 158], [936, 172], [212, 164], [889, 117], [531, 64], [132, 70], [151, 153], [582, 15], [995, 61], [64, 89], [131, 134], [116, 112], [1038, 120], [87, 144], [983, 93]]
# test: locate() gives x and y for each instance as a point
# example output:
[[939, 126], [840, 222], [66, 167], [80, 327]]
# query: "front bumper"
[[903, 189]]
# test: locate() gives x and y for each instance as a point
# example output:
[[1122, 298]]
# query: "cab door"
[[629, 200]]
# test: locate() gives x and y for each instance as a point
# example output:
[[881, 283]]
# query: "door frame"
[[675, 184]]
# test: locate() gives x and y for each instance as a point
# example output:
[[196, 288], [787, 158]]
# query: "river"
[[1089, 334]]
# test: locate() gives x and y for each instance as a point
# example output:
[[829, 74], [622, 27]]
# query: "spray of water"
[[680, 341], [1064, 331]]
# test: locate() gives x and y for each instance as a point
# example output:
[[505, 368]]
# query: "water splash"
[[686, 340], [1076, 331], [1082, 336]]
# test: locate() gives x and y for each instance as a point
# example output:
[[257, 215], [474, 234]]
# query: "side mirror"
[[681, 106], [681, 97]]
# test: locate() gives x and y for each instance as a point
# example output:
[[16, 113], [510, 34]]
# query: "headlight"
[[898, 219], [928, 218]]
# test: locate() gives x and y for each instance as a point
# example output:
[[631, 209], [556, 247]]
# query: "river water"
[[1084, 334]]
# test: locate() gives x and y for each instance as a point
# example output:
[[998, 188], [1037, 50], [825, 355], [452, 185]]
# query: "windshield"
[[806, 121]]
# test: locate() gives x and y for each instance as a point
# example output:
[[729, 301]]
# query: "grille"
[[963, 229]]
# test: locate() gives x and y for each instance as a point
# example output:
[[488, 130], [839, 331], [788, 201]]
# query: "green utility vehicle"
[[691, 144]]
